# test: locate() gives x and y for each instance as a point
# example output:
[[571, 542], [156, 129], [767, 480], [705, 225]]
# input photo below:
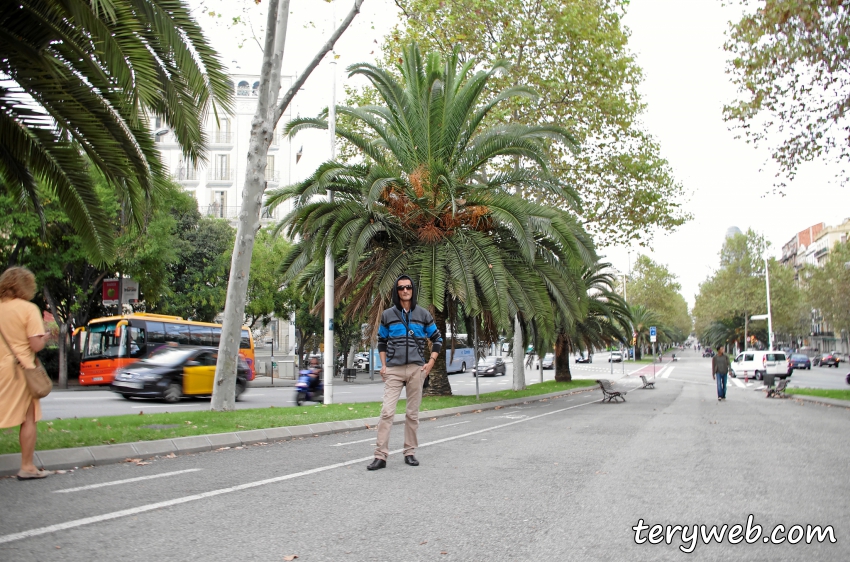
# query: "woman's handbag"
[[38, 382]]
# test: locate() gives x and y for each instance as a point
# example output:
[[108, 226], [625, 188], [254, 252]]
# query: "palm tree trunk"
[[439, 379], [562, 359], [519, 357]]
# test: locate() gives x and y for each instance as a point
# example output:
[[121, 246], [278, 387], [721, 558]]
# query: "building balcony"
[[222, 137], [221, 175], [272, 176], [232, 213], [185, 174]]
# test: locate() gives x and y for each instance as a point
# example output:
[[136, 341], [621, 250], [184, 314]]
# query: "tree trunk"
[[63, 354], [439, 382], [562, 359], [262, 130], [519, 357]]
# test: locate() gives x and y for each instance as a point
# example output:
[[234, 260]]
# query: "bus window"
[[156, 332], [216, 336], [185, 334], [102, 342], [200, 335], [172, 332], [136, 340], [245, 341]]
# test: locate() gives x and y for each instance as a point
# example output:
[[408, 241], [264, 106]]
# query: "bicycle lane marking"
[[213, 493]]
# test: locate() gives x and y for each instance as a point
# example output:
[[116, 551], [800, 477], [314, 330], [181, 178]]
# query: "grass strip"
[[110, 430], [823, 393]]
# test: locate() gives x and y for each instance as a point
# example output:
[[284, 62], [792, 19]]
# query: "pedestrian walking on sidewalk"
[[719, 371], [405, 329], [22, 334]]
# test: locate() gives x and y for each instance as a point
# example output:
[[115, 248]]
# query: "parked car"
[[756, 364], [490, 367], [173, 373], [361, 360], [583, 359], [829, 359], [548, 362], [616, 357], [800, 361]]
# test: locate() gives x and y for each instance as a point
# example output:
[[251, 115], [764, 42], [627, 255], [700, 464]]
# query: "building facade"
[[217, 184]]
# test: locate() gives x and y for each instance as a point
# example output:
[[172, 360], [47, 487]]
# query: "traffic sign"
[[652, 334]]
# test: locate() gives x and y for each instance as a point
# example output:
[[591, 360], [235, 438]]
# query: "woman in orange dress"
[[22, 332]]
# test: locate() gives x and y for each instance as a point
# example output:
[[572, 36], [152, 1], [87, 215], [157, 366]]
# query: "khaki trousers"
[[413, 376]]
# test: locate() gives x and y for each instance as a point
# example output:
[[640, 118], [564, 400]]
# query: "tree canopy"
[[575, 55], [790, 61], [654, 287], [80, 80]]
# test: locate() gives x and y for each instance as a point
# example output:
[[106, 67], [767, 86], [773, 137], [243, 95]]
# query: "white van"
[[755, 364]]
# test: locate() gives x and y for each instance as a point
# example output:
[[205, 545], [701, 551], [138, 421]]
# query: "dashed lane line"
[[248, 485], [125, 481]]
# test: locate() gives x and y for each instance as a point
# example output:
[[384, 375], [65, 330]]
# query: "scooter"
[[848, 378], [303, 392], [674, 358]]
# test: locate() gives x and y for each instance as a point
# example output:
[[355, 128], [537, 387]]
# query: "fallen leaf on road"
[[477, 411], [290, 557], [424, 542], [142, 463], [170, 456], [443, 552], [433, 419], [497, 408], [132, 460]]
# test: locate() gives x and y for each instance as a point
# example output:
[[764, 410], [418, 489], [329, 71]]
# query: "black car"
[[490, 367], [583, 359], [829, 360], [174, 372]]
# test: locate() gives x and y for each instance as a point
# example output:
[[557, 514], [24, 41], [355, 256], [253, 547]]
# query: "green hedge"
[[50, 359]]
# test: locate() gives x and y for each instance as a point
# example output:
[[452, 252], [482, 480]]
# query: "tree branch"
[[329, 45]]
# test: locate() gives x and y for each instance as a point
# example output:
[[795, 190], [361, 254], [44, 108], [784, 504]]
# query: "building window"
[[221, 167], [255, 89], [218, 207], [243, 89], [222, 133], [270, 174]]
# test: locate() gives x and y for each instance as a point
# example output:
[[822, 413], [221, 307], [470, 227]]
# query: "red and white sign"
[[110, 292]]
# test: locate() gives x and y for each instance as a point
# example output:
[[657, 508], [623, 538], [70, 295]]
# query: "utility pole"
[[769, 319], [329, 359]]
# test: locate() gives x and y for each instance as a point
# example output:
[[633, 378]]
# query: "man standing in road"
[[404, 330], [719, 371]]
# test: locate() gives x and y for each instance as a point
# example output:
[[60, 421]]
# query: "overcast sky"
[[679, 45]]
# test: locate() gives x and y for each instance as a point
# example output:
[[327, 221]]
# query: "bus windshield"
[[102, 343]]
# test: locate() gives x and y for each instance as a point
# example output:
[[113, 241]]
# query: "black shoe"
[[377, 464], [411, 460]]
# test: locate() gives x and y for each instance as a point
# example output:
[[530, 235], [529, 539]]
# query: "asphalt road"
[[565, 479]]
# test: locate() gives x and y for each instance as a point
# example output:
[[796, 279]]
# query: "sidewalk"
[[66, 459]]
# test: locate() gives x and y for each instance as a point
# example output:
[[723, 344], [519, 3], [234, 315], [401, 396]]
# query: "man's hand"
[[426, 368], [384, 373]]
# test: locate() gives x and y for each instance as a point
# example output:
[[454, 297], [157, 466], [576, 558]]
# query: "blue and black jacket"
[[402, 335]]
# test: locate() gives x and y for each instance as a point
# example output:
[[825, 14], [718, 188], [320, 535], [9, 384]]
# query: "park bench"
[[779, 391], [646, 383], [608, 392]]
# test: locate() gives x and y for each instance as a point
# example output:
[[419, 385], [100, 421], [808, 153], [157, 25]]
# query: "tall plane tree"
[[269, 111]]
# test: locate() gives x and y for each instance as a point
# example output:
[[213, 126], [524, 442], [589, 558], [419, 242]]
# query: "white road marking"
[[125, 481], [79, 397], [738, 383], [451, 424], [694, 382], [352, 442], [146, 406], [247, 486]]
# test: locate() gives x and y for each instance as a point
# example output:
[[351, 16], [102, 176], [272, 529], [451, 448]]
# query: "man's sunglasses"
[[404, 288]]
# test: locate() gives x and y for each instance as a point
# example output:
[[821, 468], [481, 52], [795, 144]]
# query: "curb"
[[99, 455], [820, 400]]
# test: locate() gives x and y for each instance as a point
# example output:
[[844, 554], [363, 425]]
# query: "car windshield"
[[170, 357], [548, 357], [487, 363]]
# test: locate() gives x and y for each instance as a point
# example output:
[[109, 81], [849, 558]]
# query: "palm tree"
[[642, 319], [79, 80], [425, 202], [605, 322]]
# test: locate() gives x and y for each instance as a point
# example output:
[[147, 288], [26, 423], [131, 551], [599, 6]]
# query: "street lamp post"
[[769, 319]]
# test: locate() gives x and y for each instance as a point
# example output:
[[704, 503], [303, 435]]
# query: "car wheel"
[[126, 397], [240, 390], [809, 368], [463, 367], [173, 393], [759, 376]]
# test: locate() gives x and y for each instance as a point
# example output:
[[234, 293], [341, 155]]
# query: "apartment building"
[[794, 251], [217, 184]]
